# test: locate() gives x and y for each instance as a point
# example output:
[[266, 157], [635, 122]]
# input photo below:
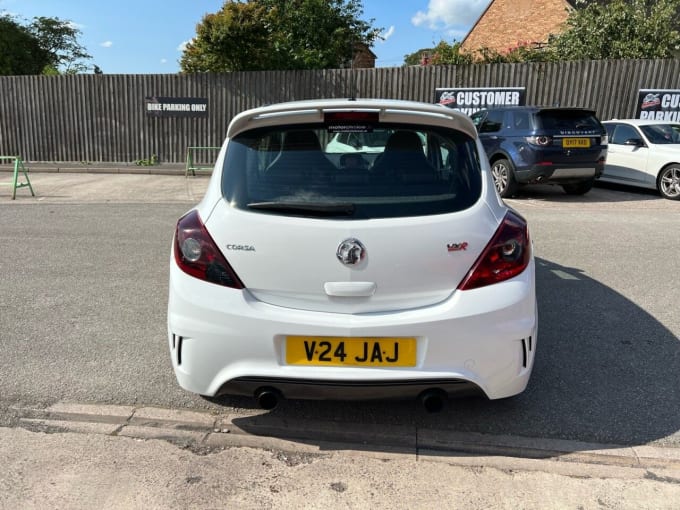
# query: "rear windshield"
[[381, 171], [568, 120]]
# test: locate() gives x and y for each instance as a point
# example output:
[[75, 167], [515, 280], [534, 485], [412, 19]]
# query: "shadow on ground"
[[606, 372]]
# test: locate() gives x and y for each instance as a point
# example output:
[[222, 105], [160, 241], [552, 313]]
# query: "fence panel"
[[93, 118]]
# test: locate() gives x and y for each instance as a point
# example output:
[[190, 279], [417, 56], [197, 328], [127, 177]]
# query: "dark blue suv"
[[549, 145]]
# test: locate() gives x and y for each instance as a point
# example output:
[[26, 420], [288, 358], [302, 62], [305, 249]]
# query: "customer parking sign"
[[658, 104], [470, 100]]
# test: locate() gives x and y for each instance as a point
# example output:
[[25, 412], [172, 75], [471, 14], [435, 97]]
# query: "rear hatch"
[[576, 134], [397, 227], [294, 262]]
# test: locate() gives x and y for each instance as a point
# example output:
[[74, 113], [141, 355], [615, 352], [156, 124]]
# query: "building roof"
[[506, 24]]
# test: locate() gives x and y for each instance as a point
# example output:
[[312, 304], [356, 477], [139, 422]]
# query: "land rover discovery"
[[546, 145]]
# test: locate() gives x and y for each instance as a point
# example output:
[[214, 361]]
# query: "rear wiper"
[[316, 208]]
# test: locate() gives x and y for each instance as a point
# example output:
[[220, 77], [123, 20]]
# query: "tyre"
[[504, 177], [579, 188], [668, 182]]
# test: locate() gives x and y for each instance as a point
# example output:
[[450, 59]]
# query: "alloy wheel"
[[669, 183]]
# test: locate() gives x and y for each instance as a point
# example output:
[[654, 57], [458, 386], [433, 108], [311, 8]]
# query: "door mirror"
[[635, 142]]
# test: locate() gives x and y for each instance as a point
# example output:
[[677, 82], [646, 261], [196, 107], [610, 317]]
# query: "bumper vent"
[[177, 347], [526, 349]]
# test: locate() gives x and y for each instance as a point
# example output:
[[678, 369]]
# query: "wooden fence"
[[101, 118]]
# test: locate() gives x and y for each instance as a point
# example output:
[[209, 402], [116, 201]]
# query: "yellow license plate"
[[576, 143], [355, 352]]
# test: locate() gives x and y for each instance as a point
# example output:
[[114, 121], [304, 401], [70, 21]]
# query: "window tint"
[[662, 133], [477, 118], [622, 133], [567, 119], [493, 122], [521, 120], [396, 170]]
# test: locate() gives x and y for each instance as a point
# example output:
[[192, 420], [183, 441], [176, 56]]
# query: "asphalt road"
[[83, 291]]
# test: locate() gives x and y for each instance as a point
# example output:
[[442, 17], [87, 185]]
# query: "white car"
[[298, 277], [644, 153]]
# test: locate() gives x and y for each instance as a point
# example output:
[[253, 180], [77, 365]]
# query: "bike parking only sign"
[[156, 106], [658, 104], [470, 100]]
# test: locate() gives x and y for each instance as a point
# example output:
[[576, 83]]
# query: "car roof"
[[640, 122], [311, 111], [538, 108]]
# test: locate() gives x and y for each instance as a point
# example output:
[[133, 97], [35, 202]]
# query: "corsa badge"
[[457, 246]]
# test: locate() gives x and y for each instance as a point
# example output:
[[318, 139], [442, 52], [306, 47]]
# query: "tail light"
[[197, 254], [541, 141], [507, 255]]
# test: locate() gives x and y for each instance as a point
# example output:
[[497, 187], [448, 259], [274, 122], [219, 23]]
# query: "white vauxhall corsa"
[[306, 274]]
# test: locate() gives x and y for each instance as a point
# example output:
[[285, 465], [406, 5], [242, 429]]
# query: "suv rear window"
[[567, 120], [381, 171]]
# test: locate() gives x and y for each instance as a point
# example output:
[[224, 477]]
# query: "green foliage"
[[45, 46], [60, 39], [452, 54], [152, 161], [595, 30], [20, 50], [445, 53], [276, 35], [416, 58], [620, 29], [520, 53]]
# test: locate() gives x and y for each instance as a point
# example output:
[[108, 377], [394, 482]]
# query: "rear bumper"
[[563, 174], [224, 341], [348, 390]]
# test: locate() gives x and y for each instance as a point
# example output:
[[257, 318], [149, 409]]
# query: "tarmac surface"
[[73, 455]]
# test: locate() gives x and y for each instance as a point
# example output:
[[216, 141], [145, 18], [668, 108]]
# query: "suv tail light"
[[541, 141], [506, 255], [197, 254]]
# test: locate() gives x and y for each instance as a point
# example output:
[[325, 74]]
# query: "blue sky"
[[146, 36]]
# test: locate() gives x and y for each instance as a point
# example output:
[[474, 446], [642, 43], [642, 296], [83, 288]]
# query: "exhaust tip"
[[267, 398], [433, 400]]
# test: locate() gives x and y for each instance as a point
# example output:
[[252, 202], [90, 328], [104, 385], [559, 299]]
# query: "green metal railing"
[[192, 166], [18, 167]]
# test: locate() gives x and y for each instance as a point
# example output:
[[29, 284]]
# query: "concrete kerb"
[[203, 430]]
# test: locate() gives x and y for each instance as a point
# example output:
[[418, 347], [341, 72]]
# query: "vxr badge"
[[457, 246]]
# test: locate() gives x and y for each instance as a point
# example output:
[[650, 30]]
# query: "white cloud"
[[183, 45], [106, 44], [387, 34], [164, 61], [442, 14]]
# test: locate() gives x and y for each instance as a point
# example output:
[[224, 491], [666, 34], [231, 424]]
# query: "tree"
[[60, 39], [595, 30], [619, 29], [20, 50], [45, 46], [419, 57], [445, 53], [278, 34]]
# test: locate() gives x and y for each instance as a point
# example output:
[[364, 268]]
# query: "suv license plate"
[[356, 352], [576, 143]]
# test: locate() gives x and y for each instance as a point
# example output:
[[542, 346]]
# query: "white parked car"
[[644, 153], [404, 277]]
